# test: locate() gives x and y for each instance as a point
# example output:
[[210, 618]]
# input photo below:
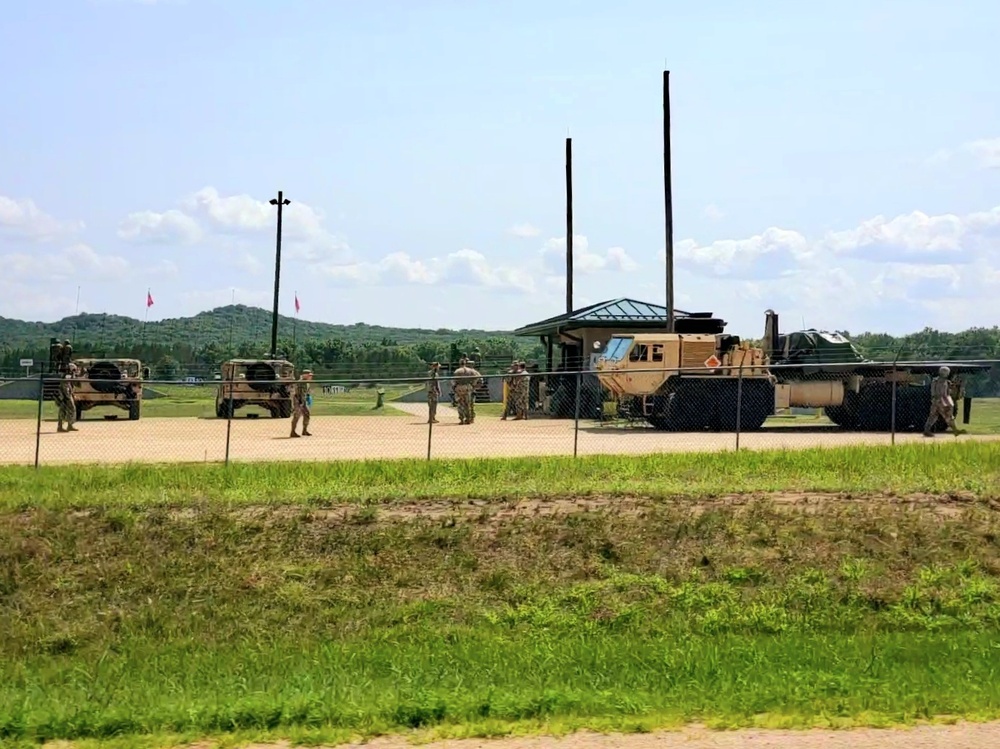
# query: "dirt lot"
[[958, 736], [360, 437]]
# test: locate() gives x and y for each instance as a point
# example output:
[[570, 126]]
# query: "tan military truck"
[[265, 383], [109, 382], [689, 381]]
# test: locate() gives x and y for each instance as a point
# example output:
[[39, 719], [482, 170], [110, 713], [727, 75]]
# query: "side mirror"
[[145, 373]]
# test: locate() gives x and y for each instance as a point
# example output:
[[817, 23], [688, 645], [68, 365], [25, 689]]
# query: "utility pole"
[[668, 200], [569, 225], [281, 201]]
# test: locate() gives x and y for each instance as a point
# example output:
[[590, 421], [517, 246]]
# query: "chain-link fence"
[[46, 420]]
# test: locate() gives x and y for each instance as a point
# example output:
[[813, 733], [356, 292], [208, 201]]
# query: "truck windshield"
[[617, 348]]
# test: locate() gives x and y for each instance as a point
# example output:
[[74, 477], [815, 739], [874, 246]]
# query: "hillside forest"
[[196, 346]]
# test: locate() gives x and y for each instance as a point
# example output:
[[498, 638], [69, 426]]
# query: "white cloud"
[[908, 238], [584, 261], [169, 227], [78, 261], [908, 265], [465, 267], [23, 218], [712, 212], [525, 231], [206, 215], [986, 152]]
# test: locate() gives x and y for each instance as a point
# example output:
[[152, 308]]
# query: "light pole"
[[281, 202]]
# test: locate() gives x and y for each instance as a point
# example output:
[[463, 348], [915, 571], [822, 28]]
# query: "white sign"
[[27, 362]]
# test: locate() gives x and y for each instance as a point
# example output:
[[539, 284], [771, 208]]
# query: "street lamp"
[[281, 202]]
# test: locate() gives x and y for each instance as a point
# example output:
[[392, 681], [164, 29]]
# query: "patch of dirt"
[[956, 736], [195, 440], [500, 510]]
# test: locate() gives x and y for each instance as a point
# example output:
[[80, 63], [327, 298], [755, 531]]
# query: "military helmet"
[[944, 371]]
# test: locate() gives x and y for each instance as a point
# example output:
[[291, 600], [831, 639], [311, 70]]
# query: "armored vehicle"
[[109, 382], [266, 383]]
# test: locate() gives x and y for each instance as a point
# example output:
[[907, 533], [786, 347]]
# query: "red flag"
[[149, 300], [297, 305]]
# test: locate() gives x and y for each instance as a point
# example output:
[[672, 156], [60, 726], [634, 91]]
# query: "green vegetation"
[[944, 468], [198, 401], [196, 346], [318, 623]]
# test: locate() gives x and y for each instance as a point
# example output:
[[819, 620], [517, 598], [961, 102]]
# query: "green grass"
[[199, 402], [941, 468], [296, 621]]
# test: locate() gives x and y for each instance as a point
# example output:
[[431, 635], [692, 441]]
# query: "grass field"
[[319, 602], [199, 402]]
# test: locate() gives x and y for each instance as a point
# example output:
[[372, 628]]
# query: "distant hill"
[[237, 322], [196, 346]]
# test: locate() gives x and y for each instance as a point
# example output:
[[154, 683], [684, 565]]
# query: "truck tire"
[[283, 410], [79, 411], [134, 410], [224, 409]]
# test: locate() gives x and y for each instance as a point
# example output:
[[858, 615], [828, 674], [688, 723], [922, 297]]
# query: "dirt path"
[[368, 437], [958, 736]]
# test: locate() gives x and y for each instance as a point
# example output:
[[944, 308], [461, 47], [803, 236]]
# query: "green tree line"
[[196, 346]]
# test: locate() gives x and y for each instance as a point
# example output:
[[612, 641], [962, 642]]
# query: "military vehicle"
[[820, 369], [266, 383], [693, 378], [109, 382], [690, 380]]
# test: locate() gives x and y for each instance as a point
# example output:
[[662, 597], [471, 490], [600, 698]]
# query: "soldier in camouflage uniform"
[[466, 378], [300, 404], [433, 393], [66, 402], [508, 406], [522, 390], [942, 404]]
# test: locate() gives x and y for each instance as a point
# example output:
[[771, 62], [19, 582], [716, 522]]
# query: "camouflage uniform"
[[66, 402], [510, 379], [466, 378], [300, 404], [942, 404], [433, 393], [522, 390]]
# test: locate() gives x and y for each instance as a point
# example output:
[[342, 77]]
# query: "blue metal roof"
[[621, 311]]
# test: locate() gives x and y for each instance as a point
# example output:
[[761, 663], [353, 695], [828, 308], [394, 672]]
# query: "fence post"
[[892, 417], [739, 405], [38, 422], [430, 431], [576, 413], [229, 414]]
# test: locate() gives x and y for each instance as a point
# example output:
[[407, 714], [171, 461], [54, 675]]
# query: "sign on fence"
[[27, 362]]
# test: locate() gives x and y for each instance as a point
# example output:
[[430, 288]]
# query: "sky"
[[838, 162]]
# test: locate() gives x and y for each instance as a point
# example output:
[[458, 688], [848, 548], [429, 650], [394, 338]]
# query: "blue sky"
[[838, 162]]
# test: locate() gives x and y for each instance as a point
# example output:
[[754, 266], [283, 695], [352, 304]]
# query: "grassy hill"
[[238, 323]]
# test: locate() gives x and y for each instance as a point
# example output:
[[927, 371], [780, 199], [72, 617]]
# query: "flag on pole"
[[297, 305], [149, 299]]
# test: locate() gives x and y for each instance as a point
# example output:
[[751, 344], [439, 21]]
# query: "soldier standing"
[[300, 404], [508, 405], [523, 387], [942, 404], [466, 378], [433, 393], [66, 402]]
